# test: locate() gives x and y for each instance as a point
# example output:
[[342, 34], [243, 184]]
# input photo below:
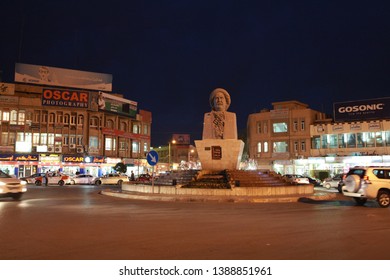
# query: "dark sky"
[[168, 55]]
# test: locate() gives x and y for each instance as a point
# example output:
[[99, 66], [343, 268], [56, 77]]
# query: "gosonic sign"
[[65, 98], [362, 110]]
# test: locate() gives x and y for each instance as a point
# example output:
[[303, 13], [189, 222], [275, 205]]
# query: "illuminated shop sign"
[[18, 157], [65, 98], [72, 159], [362, 110]]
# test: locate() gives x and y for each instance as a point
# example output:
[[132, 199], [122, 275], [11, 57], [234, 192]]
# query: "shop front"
[[19, 165]]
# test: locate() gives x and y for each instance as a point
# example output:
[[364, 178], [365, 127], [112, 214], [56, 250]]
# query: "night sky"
[[169, 55]]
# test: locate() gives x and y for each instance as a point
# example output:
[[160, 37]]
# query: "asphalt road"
[[77, 223]]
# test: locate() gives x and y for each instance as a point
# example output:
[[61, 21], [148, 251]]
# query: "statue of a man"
[[219, 124]]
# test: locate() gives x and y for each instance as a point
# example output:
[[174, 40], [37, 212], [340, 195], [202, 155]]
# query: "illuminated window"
[[280, 127], [280, 147], [259, 147], [265, 147]]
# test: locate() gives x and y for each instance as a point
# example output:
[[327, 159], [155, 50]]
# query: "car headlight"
[[23, 182]]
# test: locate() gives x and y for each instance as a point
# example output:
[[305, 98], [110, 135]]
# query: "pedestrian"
[[132, 178], [47, 178]]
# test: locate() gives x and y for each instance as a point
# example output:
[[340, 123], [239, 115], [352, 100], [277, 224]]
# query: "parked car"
[[296, 179], [54, 178], [82, 179], [333, 181], [11, 187], [144, 178], [314, 181], [31, 179], [363, 183], [112, 179]]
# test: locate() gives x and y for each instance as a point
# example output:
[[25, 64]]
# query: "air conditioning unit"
[[58, 149], [50, 149], [80, 150], [72, 146]]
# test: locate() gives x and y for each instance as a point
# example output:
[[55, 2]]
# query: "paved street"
[[76, 222]]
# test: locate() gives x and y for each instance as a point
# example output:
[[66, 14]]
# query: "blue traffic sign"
[[152, 158]]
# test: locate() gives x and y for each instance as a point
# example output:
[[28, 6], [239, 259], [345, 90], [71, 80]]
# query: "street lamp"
[[169, 153]]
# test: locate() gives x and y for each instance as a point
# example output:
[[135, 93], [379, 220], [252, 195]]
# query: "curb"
[[205, 198]]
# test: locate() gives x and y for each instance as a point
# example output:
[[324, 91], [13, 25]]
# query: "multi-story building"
[[277, 137], [358, 135], [292, 138], [55, 127]]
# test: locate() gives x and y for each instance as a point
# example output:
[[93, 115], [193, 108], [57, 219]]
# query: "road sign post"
[[152, 159]]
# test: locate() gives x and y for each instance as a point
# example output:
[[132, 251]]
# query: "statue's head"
[[219, 100]]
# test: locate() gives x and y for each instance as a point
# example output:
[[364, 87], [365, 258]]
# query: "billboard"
[[361, 110], [45, 75], [181, 139], [112, 103]]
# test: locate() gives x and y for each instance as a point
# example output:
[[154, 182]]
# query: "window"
[[332, 139], [21, 117], [93, 142], [316, 142], [280, 147], [5, 116], [146, 129], [73, 119], [303, 146], [303, 125], [265, 127], [79, 140], [44, 117], [123, 126], [35, 139], [265, 147], [351, 140], [258, 127], [259, 147], [60, 117], [110, 123], [342, 142], [51, 118], [387, 138], [280, 127], [146, 147], [50, 139], [136, 128], [122, 145], [80, 120], [295, 125], [66, 119], [93, 122], [14, 117], [295, 146], [20, 136], [110, 144], [43, 139], [37, 117], [380, 136], [135, 147]]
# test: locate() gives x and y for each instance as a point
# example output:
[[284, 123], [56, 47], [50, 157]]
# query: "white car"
[[11, 187], [112, 179], [363, 183], [296, 179], [82, 179], [332, 182]]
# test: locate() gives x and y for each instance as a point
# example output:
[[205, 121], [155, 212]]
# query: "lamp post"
[[169, 153]]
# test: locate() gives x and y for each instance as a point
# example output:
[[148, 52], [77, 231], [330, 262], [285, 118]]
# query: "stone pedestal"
[[219, 154]]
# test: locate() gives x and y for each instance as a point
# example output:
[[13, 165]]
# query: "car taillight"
[[365, 177]]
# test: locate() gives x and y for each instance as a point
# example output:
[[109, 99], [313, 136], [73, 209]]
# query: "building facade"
[[65, 129], [277, 137], [292, 138]]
